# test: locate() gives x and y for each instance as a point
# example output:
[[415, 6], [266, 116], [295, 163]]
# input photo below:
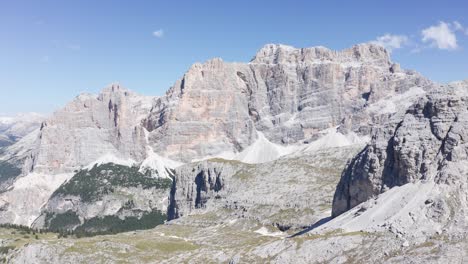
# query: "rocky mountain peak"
[[115, 90], [368, 52], [358, 54], [272, 53]]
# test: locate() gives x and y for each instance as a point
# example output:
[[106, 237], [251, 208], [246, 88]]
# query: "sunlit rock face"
[[86, 129], [424, 144], [288, 94]]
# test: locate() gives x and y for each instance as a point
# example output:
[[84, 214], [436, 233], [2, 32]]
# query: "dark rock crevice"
[[419, 147]]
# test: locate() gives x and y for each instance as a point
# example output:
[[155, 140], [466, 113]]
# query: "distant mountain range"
[[12, 128]]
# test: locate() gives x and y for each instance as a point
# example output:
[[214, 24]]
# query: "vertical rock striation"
[[427, 142], [86, 129], [286, 93]]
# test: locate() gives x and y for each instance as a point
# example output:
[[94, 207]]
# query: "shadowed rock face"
[[194, 185], [286, 93], [426, 142]]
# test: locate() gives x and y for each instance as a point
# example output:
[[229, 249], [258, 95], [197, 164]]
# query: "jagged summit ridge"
[[361, 53]]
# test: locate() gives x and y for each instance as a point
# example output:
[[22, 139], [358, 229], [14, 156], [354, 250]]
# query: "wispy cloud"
[[459, 27], [158, 33], [441, 36], [391, 42]]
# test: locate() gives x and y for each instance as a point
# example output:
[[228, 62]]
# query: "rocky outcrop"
[[194, 185], [427, 142], [291, 192], [86, 129], [103, 198], [288, 94]]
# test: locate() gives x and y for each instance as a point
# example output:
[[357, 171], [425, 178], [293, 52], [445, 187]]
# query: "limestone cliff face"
[[427, 142], [86, 129], [204, 114], [288, 94], [193, 186]]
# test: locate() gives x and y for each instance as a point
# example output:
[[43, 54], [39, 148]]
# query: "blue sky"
[[52, 50]]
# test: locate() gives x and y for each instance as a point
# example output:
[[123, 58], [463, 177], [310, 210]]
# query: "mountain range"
[[298, 156]]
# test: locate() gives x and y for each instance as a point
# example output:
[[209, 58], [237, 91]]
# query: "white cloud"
[[391, 42], [158, 33], [441, 36]]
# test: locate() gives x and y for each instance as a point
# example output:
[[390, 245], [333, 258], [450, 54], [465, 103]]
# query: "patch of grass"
[[221, 160], [178, 230], [243, 175], [13, 240], [4, 250], [330, 234], [81, 247], [211, 216], [290, 213], [166, 246]]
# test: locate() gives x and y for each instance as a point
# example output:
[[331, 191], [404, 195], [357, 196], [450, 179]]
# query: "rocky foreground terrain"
[[299, 156]]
